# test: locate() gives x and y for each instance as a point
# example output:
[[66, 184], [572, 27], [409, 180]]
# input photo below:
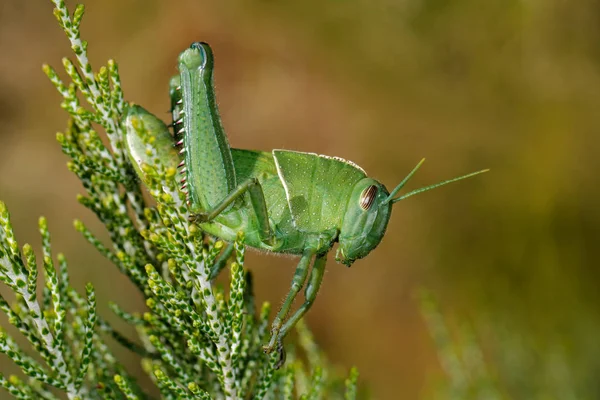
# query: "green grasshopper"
[[284, 201]]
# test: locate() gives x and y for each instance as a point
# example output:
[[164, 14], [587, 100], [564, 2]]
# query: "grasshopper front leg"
[[297, 283], [310, 294], [280, 329]]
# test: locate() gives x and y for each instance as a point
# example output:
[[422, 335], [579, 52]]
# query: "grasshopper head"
[[365, 221], [368, 213]]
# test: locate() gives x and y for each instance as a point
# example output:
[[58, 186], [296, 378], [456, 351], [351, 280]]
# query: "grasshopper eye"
[[367, 197]]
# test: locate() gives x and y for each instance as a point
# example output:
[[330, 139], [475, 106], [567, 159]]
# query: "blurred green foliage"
[[509, 85]]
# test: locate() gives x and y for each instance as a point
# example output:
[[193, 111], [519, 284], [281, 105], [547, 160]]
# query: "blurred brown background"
[[509, 85]]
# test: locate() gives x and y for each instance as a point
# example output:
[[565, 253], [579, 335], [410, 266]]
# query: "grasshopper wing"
[[317, 188]]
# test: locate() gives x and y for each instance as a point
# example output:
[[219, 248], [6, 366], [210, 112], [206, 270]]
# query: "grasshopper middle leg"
[[259, 205]]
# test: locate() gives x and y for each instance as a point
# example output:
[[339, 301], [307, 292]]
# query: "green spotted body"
[[284, 201], [297, 223]]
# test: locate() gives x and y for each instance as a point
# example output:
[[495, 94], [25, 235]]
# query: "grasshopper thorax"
[[365, 220]]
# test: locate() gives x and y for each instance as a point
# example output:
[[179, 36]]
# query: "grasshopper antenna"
[[401, 184], [391, 199]]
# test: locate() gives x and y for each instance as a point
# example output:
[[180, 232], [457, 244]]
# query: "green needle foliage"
[[199, 340], [467, 375]]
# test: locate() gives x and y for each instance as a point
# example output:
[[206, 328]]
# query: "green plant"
[[198, 340]]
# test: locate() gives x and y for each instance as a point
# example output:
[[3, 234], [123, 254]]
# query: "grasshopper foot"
[[273, 242], [280, 352], [267, 349], [275, 341], [198, 218]]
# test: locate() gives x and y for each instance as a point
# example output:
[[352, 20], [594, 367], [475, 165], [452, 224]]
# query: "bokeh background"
[[511, 256]]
